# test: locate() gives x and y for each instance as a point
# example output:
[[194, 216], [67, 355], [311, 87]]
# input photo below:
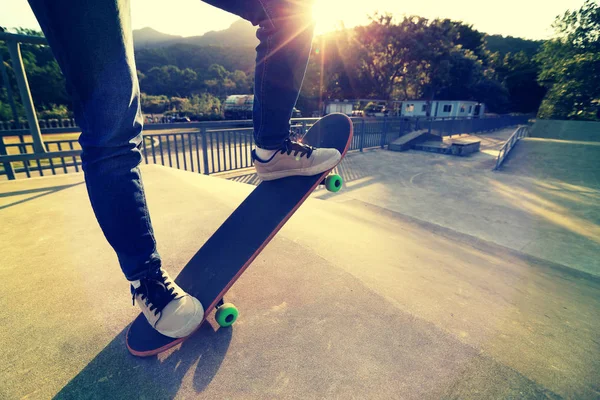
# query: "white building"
[[344, 107], [442, 108]]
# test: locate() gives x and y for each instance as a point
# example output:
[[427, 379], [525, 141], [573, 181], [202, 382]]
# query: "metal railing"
[[214, 147], [13, 43], [44, 123], [521, 132], [204, 147]]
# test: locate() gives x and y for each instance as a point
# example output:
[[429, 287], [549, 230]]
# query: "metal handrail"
[[16, 37], [521, 132]]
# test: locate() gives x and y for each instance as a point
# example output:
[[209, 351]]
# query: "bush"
[[55, 112]]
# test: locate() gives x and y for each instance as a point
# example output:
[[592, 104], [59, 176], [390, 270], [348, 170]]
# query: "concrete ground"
[[545, 201], [350, 300], [429, 276]]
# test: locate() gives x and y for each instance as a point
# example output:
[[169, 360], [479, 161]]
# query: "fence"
[[214, 147], [521, 132], [206, 148]]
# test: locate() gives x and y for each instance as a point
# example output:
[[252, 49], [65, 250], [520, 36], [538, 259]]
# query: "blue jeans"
[[92, 42]]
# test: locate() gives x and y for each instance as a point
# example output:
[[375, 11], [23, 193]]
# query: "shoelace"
[[155, 292], [298, 149]]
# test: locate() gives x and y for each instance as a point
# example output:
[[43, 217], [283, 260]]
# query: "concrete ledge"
[[464, 147]]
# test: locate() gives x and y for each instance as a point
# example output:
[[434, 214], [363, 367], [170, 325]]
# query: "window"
[[462, 108], [447, 108], [410, 107], [424, 108], [470, 109]]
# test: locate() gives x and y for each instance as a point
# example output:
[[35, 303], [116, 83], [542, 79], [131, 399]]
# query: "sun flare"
[[327, 15]]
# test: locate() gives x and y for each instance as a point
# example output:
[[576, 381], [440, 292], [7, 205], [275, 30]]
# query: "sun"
[[326, 14]]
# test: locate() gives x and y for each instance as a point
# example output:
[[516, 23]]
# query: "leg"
[[285, 33], [281, 61], [93, 45], [92, 42]]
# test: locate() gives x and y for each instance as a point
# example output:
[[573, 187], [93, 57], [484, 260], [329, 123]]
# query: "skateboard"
[[230, 250]]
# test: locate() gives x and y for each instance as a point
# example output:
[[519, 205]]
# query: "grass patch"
[[51, 138]]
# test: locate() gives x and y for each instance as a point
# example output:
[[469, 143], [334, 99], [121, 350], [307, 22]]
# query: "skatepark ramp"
[[425, 141], [577, 131], [567, 151], [407, 141], [348, 300]]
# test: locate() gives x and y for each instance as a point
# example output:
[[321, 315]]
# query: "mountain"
[[509, 44], [197, 58], [241, 33], [148, 37]]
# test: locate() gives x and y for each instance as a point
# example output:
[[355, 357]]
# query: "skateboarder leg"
[[285, 32], [92, 42]]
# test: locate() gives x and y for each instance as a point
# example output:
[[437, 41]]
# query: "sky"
[[530, 19]]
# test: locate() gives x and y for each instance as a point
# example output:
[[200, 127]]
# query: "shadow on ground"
[[42, 192], [114, 373]]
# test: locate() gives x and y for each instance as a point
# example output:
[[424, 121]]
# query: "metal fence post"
[[384, 133], [15, 55], [204, 150], [362, 134], [8, 169]]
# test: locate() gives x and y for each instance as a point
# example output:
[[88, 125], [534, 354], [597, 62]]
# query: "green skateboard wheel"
[[333, 183], [226, 315]]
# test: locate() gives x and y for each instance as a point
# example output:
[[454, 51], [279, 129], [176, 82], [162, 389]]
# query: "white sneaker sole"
[[310, 171]]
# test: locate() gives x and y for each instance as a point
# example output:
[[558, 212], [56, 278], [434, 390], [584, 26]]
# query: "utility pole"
[[322, 52]]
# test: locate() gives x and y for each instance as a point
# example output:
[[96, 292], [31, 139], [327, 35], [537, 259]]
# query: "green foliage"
[[411, 58], [575, 92], [5, 112], [46, 82], [198, 106], [54, 112], [154, 104], [205, 103], [494, 94], [570, 66], [196, 58], [28, 32], [508, 44], [518, 73], [171, 81]]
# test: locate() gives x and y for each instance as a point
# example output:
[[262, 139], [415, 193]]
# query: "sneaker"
[[169, 309], [295, 159]]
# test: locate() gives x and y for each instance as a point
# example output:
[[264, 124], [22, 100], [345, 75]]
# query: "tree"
[[384, 53], [154, 104], [518, 73], [45, 79], [570, 66], [508, 44], [220, 82], [242, 82], [414, 58]]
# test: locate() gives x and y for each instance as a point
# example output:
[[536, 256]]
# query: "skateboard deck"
[[232, 248]]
